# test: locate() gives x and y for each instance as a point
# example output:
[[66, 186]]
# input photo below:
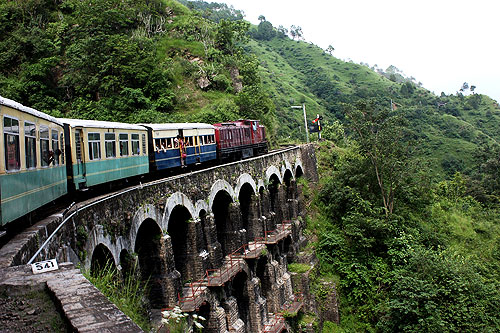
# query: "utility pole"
[[319, 127], [303, 107]]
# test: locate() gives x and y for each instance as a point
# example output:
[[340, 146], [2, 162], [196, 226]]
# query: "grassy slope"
[[451, 134]]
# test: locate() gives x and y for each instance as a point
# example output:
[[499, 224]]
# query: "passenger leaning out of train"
[[182, 149]]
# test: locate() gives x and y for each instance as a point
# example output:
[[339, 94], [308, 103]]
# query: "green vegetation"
[[129, 61], [298, 268], [128, 295], [430, 263], [406, 215]]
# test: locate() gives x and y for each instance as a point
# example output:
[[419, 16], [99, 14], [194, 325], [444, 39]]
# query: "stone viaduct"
[[216, 241]]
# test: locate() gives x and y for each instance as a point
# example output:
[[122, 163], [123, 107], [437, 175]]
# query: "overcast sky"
[[442, 43]]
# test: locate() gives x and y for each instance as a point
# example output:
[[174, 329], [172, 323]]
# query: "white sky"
[[442, 43]]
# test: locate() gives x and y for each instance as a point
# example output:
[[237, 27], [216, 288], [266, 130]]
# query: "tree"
[[229, 34], [330, 49], [283, 31], [262, 18], [381, 136], [265, 31], [296, 31]]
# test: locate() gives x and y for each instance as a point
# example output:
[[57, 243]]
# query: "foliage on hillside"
[[131, 61], [431, 264]]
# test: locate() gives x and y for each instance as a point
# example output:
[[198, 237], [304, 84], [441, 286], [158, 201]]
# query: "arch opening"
[[147, 247], [246, 199], [220, 209], [204, 311], [102, 261], [273, 187], [204, 231], [290, 187], [179, 233], [299, 172], [238, 288]]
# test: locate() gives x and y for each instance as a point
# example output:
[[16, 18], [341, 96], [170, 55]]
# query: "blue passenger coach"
[[165, 144]]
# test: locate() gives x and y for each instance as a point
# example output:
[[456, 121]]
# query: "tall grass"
[[128, 295]]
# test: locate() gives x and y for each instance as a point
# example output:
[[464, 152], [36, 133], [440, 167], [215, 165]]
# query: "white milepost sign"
[[44, 266]]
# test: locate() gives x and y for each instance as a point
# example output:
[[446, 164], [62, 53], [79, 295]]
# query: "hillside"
[[163, 61], [450, 129]]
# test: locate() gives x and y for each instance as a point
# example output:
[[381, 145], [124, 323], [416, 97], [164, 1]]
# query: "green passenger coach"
[[32, 165], [103, 151]]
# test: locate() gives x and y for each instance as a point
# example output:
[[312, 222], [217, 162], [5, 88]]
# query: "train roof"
[[100, 124], [175, 126], [239, 122], [18, 106]]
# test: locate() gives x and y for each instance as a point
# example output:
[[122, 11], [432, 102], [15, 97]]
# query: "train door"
[[197, 146], [80, 170]]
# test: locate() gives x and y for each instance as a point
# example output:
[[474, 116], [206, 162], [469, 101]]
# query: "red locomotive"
[[240, 139]]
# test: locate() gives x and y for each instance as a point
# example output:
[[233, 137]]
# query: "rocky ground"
[[30, 312]]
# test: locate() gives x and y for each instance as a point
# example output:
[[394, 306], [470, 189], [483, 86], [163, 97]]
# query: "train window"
[[189, 141], [135, 144], [94, 146], [55, 147], [44, 146], [123, 144], [169, 143], [110, 144], [11, 142], [30, 144], [144, 144]]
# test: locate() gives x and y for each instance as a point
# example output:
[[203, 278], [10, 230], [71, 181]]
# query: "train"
[[46, 158]]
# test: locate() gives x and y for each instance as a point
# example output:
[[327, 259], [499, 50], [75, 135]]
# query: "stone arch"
[[220, 185], [151, 263], [249, 211], [273, 187], [299, 169], [144, 213], [101, 259], [286, 167], [97, 237], [177, 199], [183, 238], [203, 216], [242, 180], [272, 170], [287, 177], [226, 221], [260, 186], [238, 288], [201, 205], [205, 311]]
